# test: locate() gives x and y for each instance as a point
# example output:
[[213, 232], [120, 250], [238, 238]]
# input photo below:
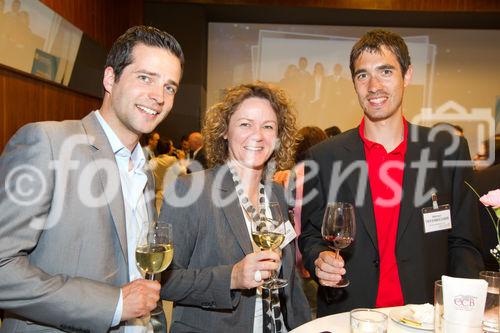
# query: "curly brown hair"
[[217, 118]]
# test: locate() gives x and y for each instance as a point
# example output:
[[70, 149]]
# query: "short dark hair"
[[120, 55], [332, 131], [164, 146], [373, 41], [144, 139], [308, 137]]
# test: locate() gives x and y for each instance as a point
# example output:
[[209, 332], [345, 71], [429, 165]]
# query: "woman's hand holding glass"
[[268, 232], [244, 273]]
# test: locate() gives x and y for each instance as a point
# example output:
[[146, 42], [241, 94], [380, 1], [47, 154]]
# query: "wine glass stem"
[[159, 305], [273, 276], [337, 253]]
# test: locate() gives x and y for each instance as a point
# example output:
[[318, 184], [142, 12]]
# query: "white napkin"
[[464, 300], [422, 313]]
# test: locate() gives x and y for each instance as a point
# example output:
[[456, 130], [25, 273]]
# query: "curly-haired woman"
[[217, 272]]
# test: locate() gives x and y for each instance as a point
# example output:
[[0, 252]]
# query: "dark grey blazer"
[[209, 238], [422, 258], [63, 257]]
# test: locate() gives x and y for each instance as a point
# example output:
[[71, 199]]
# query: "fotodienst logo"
[[479, 129]]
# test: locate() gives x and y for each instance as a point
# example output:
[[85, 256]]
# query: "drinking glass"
[[444, 325], [268, 232], [338, 229], [438, 307], [154, 251], [368, 321], [491, 310]]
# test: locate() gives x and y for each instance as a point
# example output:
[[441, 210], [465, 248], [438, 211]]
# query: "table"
[[339, 323]]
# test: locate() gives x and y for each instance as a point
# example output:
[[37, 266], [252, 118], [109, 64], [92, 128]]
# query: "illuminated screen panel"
[[456, 72]]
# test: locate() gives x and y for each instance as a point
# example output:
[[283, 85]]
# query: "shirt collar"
[[400, 149], [118, 148], [138, 158]]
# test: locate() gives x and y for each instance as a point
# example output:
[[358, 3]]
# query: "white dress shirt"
[[258, 314], [133, 182]]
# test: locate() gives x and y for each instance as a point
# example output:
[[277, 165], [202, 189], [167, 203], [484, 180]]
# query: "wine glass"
[[154, 251], [338, 229], [268, 232]]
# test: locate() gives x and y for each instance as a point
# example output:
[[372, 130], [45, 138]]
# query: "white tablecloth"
[[339, 323]]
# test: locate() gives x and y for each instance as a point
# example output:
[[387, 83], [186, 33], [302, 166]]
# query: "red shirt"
[[385, 173]]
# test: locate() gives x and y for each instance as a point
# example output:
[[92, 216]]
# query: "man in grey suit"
[[74, 195]]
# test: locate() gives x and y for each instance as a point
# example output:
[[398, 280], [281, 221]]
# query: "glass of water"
[[491, 309], [438, 307], [368, 321]]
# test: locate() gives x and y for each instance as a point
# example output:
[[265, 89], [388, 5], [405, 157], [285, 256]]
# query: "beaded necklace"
[[272, 314]]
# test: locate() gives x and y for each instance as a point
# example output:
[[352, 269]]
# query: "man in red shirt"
[[388, 168]]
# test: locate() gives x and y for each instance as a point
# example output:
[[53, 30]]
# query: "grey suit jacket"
[[63, 243], [210, 236]]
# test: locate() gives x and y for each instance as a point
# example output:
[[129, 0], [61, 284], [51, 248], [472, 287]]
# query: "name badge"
[[436, 219], [289, 235]]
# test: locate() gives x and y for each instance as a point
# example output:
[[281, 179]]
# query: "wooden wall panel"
[[103, 20], [27, 99], [413, 5]]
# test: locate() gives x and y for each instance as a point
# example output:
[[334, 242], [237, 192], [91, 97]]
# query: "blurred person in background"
[[198, 160], [184, 146], [482, 159], [151, 141], [332, 131], [166, 168], [485, 180]]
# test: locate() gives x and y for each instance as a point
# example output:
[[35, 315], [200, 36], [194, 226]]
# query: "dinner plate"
[[399, 315]]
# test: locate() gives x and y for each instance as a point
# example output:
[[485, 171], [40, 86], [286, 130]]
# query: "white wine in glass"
[[268, 233], [268, 240], [154, 251], [155, 248], [152, 259], [339, 229]]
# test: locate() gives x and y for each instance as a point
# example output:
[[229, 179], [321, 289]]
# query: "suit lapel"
[[232, 211], [102, 152], [407, 206], [150, 195], [287, 258], [355, 153]]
